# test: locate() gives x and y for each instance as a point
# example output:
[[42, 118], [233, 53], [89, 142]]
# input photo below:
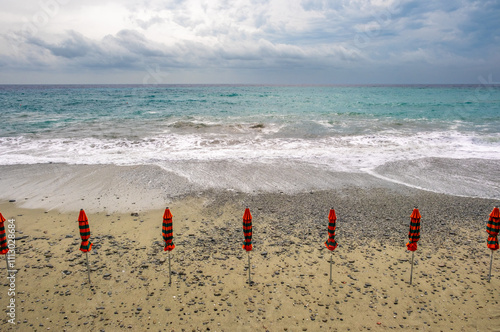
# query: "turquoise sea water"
[[342, 128]]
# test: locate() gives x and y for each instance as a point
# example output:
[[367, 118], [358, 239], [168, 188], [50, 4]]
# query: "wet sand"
[[290, 288]]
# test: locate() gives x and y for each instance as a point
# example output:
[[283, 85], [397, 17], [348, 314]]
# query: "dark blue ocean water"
[[345, 128]]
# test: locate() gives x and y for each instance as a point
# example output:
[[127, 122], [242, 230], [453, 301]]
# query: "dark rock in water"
[[12, 200]]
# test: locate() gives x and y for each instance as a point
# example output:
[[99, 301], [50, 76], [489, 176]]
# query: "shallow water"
[[439, 138]]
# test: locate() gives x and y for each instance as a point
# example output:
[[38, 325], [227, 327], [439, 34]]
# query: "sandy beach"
[[290, 288]]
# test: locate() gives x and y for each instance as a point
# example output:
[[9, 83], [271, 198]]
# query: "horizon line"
[[253, 84]]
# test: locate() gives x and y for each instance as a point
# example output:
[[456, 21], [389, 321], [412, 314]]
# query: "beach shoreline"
[[132, 188], [290, 264]]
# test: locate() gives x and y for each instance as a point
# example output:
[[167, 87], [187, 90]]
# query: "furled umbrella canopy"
[[331, 244], [492, 227], [247, 230], [167, 230], [3, 238], [414, 233], [83, 224]]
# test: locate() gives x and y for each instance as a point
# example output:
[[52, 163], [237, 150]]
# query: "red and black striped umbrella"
[[247, 230], [492, 228], [4, 248], [167, 230], [331, 244], [414, 233], [83, 224]]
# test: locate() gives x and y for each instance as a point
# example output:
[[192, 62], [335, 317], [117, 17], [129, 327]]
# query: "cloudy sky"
[[249, 41]]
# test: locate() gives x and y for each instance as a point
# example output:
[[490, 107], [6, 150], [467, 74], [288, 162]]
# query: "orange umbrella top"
[[332, 215], [82, 216], [247, 215], [167, 214], [495, 213], [415, 214]]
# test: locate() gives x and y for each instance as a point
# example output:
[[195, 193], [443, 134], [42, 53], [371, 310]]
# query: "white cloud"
[[258, 35]]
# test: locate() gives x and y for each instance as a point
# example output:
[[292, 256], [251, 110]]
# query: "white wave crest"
[[344, 153]]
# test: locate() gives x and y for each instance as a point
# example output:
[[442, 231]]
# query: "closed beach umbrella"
[[492, 227], [414, 233], [4, 248], [83, 224], [247, 232], [86, 245], [331, 244], [167, 232], [414, 236]]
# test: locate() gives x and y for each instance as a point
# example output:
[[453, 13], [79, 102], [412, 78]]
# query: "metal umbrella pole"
[[491, 262], [411, 273], [249, 268], [88, 265], [331, 261], [169, 270]]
